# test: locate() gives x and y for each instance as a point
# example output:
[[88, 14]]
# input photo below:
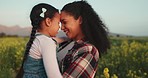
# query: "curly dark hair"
[[92, 27]]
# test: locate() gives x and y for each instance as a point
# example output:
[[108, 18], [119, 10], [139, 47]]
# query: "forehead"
[[65, 15], [57, 15]]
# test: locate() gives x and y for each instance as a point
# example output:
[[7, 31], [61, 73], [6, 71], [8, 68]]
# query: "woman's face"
[[71, 26]]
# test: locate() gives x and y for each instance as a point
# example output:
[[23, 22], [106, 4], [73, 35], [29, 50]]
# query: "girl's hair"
[[36, 19], [92, 27]]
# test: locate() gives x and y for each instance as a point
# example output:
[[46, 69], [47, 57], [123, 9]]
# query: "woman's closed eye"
[[63, 23]]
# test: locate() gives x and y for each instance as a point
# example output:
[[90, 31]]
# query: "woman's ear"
[[48, 22], [80, 20]]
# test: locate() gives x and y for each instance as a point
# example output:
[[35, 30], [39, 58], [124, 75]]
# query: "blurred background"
[[127, 21], [125, 17]]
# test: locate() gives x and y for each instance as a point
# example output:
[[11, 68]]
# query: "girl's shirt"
[[44, 47]]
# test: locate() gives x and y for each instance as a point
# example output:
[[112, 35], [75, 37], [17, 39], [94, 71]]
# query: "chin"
[[52, 35], [68, 36]]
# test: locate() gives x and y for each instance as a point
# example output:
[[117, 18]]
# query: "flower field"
[[127, 58]]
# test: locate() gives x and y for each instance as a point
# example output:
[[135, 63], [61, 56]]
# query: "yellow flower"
[[106, 74], [145, 74], [106, 70], [114, 76]]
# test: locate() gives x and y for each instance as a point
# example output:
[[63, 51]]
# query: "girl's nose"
[[62, 27]]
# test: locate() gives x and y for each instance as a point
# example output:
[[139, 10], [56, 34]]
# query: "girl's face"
[[55, 25], [71, 26]]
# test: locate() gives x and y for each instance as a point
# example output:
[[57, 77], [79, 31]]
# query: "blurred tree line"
[[2, 34]]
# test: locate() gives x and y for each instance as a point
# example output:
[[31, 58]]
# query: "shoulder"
[[86, 48], [42, 39]]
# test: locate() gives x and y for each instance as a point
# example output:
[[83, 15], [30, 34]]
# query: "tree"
[[2, 34]]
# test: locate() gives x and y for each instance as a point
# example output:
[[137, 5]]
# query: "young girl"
[[40, 55]]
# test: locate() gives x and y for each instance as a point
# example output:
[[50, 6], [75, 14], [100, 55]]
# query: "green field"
[[127, 58]]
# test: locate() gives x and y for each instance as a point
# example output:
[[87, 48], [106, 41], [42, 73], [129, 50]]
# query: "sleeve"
[[84, 65], [48, 51]]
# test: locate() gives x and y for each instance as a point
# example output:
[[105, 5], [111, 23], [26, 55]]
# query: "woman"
[[85, 29]]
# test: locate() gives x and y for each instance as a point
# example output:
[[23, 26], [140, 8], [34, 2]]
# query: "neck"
[[79, 37], [43, 32]]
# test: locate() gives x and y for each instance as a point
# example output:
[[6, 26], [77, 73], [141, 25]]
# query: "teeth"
[[66, 32]]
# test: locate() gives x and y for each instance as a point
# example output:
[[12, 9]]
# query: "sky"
[[129, 17]]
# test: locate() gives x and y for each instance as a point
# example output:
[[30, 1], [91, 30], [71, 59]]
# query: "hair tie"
[[43, 12]]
